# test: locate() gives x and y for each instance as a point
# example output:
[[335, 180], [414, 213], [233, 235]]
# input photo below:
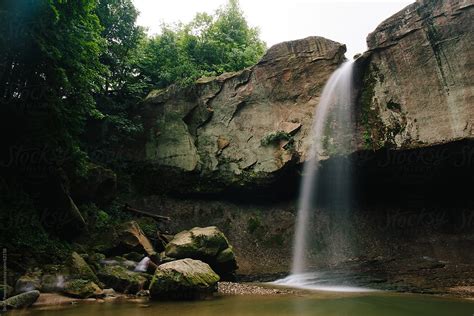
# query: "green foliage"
[[149, 226], [275, 138], [122, 37], [99, 219], [208, 45], [103, 219], [122, 83], [50, 70], [96, 218]]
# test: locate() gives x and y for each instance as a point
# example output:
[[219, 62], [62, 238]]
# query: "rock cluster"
[[207, 244], [171, 274]]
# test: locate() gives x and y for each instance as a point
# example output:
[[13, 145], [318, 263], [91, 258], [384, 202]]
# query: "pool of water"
[[331, 281], [324, 304]]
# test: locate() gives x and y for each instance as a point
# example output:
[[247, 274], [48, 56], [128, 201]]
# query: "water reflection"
[[324, 304]]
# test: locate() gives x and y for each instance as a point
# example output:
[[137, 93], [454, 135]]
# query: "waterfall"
[[332, 132], [335, 103]]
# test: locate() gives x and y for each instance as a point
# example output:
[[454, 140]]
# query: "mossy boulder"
[[82, 289], [123, 280], [95, 260], [29, 282], [183, 279], [19, 301], [79, 269], [207, 244]]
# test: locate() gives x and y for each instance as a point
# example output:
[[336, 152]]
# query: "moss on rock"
[[22, 300], [79, 268], [82, 289], [183, 279], [208, 244], [123, 280]]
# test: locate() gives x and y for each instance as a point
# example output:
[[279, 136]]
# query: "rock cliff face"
[[418, 77], [415, 88], [244, 127]]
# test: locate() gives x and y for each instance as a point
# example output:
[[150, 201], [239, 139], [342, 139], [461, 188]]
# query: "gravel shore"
[[232, 288]]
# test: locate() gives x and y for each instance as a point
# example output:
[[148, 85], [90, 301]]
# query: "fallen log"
[[128, 208]]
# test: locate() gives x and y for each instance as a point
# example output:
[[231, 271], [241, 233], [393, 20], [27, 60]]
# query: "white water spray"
[[142, 266]]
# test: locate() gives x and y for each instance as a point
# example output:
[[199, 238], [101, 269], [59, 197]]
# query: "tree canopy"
[[208, 45]]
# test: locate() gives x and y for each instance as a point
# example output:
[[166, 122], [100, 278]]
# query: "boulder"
[[29, 282], [183, 279], [22, 300], [82, 289], [79, 269], [123, 280], [417, 77], [207, 244], [209, 137], [95, 260]]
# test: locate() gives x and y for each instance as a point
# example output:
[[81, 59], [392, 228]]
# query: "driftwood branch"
[[128, 208]]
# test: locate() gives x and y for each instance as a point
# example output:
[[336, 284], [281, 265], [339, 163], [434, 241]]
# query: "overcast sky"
[[345, 21]]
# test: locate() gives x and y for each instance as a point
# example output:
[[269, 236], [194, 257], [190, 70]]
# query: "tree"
[[236, 45], [50, 70], [123, 38], [208, 45], [122, 85]]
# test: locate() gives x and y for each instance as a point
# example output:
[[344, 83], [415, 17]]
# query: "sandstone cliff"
[[415, 88], [239, 128], [418, 77]]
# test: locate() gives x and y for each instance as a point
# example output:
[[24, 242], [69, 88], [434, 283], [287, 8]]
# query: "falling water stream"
[[333, 121]]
